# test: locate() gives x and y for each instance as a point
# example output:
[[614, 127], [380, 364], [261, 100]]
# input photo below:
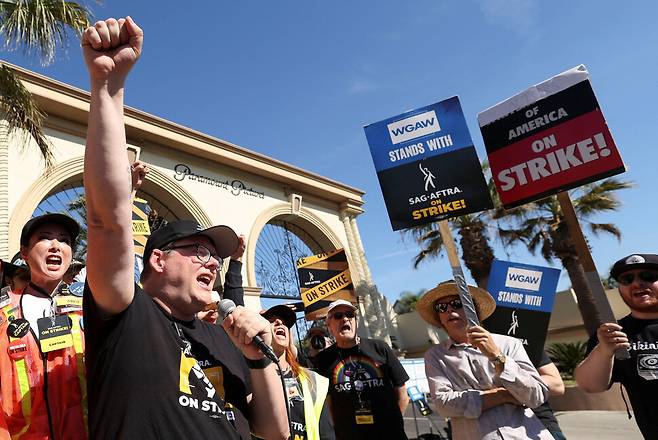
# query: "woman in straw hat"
[[483, 382]]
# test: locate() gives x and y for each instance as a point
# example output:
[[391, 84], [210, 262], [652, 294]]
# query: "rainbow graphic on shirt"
[[359, 370]]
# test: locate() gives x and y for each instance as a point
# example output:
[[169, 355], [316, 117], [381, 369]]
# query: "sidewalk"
[[576, 425], [598, 425]]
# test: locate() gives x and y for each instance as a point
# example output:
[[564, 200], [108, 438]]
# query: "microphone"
[[225, 308]]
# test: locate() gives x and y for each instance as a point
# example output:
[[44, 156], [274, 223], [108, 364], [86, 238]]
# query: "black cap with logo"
[[282, 311], [223, 238], [634, 261], [65, 221]]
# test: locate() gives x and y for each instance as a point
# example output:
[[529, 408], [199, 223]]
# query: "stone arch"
[[324, 235], [158, 184]]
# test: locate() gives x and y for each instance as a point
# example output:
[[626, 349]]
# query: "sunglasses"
[[339, 315], [456, 304], [648, 276]]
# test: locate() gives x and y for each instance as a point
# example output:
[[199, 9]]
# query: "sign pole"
[[591, 274], [458, 274]]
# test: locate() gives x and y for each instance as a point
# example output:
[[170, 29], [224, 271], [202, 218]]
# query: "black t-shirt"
[[639, 374], [544, 412], [143, 386], [297, 418], [362, 382]]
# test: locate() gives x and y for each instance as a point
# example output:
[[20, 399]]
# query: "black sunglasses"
[[648, 276], [339, 315], [456, 304]]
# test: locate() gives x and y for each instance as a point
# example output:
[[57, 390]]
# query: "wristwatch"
[[499, 360]]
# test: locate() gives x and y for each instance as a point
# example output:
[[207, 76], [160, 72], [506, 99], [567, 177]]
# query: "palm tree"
[[37, 27], [78, 208], [477, 253], [541, 225], [567, 356], [407, 301]]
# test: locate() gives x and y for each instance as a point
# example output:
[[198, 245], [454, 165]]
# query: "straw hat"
[[484, 303]]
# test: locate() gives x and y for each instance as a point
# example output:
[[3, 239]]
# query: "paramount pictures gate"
[[285, 212]]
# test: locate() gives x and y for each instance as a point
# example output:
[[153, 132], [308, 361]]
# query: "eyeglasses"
[[648, 276], [456, 304], [339, 315], [203, 254]]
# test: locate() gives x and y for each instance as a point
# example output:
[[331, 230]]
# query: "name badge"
[[363, 414], [4, 297], [54, 333], [68, 303]]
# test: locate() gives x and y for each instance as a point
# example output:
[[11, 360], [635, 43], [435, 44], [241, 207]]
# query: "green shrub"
[[566, 356]]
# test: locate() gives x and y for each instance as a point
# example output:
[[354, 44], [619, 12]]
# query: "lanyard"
[[51, 296], [186, 345]]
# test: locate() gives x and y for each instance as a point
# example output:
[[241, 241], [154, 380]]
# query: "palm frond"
[[418, 231], [535, 241], [432, 249], [599, 197], [39, 27], [512, 236], [609, 228], [567, 356], [22, 113]]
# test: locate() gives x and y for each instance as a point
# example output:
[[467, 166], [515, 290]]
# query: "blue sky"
[[298, 80]]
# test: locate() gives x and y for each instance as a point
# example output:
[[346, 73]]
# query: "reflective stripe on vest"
[[314, 396], [23, 378], [24, 381], [76, 332]]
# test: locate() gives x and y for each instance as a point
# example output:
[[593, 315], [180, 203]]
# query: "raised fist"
[[111, 47]]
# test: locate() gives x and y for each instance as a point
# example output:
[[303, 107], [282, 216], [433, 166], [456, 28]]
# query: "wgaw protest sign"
[[524, 297], [324, 278], [427, 166], [547, 139]]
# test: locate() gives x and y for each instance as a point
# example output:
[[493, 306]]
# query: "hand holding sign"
[[482, 340], [611, 338]]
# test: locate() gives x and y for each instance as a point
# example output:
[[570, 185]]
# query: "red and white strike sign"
[[547, 139]]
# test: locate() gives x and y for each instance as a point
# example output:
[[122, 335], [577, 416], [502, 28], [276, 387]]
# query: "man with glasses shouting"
[[367, 392], [637, 276], [484, 382], [154, 369]]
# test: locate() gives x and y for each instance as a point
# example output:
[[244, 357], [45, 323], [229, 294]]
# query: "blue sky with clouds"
[[298, 80]]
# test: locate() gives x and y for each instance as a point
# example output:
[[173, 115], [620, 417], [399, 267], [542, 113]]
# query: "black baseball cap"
[[282, 311], [223, 238], [634, 261], [63, 220]]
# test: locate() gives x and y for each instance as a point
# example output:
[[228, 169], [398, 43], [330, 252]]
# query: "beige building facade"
[[194, 175]]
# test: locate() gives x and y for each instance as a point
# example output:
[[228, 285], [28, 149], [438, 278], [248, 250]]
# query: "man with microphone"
[[154, 369]]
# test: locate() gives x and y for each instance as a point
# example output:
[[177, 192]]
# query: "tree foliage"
[[408, 300], [541, 227], [38, 28], [566, 356]]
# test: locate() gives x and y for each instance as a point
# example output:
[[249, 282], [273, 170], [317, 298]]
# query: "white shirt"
[[458, 373], [35, 306]]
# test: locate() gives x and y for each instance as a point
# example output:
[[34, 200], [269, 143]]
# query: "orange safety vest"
[[44, 395]]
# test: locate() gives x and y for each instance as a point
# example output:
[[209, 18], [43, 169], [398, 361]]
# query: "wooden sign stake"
[[585, 257]]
